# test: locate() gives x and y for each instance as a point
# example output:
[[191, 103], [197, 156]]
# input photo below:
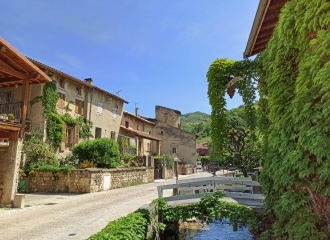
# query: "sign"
[[213, 167]]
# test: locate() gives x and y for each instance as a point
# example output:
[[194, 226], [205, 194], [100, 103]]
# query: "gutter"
[[258, 19]]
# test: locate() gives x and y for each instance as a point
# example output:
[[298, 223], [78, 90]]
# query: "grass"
[[28, 205]]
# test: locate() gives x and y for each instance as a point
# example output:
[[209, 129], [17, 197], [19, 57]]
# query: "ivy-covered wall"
[[293, 72], [295, 122]]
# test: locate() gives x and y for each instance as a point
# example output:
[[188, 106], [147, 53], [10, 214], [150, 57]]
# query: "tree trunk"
[[244, 171]]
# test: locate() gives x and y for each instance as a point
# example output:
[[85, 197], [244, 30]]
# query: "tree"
[[243, 150]]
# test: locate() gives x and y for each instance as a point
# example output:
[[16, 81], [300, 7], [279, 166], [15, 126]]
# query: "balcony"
[[10, 111]]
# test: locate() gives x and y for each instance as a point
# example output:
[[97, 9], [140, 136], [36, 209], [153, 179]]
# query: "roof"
[[140, 118], [263, 26], [110, 94], [75, 79], [141, 134], [17, 66], [203, 145], [176, 111]]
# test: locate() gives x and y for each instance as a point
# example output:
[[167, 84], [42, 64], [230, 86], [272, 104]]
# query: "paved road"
[[76, 216]]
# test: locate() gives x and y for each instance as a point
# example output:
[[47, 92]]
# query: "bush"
[[131, 227], [103, 151], [169, 160]]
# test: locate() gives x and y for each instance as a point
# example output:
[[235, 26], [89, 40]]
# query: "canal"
[[218, 230]]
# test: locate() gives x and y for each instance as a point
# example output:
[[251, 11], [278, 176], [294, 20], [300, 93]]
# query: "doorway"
[[98, 132]]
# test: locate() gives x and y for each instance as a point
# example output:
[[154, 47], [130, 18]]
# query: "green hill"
[[195, 122]]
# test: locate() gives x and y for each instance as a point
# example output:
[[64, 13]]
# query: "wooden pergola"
[[263, 26], [16, 70]]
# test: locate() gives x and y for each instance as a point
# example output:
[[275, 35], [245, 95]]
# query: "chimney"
[[137, 112], [89, 81]]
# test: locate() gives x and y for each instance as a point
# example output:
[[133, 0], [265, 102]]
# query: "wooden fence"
[[199, 187]]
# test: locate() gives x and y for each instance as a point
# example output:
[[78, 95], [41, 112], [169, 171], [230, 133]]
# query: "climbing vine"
[[294, 73], [295, 122], [218, 75], [54, 121]]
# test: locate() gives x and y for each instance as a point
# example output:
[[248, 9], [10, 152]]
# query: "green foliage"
[[169, 160], [55, 122], [295, 122], [45, 167], [217, 76], [210, 207], [103, 151], [132, 226]]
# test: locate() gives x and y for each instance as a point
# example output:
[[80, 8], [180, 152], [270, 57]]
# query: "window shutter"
[[82, 107], [59, 103], [76, 134], [64, 138], [114, 114], [77, 106], [62, 96], [100, 109]]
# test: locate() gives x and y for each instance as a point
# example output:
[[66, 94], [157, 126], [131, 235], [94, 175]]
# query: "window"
[[78, 90], [100, 109], [137, 127], [174, 150], [148, 147], [112, 136], [61, 101], [98, 132], [80, 105], [61, 83], [161, 132], [149, 132], [126, 124], [114, 114]]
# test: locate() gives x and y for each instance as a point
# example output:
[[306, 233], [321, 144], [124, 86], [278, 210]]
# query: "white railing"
[[209, 186]]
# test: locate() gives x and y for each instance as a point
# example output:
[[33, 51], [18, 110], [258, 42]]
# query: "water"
[[217, 231]]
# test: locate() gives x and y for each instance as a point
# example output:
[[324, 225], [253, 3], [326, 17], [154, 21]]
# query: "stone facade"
[[3, 163], [169, 116], [184, 142], [88, 180], [169, 173]]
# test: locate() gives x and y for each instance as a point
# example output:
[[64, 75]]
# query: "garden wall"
[[169, 173], [88, 180]]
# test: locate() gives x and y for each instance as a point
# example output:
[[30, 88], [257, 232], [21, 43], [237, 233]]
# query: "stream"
[[218, 230]]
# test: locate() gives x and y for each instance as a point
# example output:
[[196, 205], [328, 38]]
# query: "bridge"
[[191, 190]]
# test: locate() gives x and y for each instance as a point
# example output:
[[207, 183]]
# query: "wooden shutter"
[[77, 106], [64, 138], [82, 107], [59, 103], [63, 101], [76, 134]]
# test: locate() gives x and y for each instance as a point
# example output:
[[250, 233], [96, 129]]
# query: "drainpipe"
[[90, 110]]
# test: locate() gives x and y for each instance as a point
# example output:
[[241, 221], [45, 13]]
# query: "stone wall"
[[169, 173], [88, 180], [168, 116], [3, 163]]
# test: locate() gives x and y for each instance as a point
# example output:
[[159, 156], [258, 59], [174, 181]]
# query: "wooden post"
[[25, 94]]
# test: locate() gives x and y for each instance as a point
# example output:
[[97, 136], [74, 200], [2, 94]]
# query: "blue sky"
[[156, 52]]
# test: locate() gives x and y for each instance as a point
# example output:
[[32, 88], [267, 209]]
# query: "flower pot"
[[11, 119]]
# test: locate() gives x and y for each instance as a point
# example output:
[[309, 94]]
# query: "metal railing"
[[10, 110]]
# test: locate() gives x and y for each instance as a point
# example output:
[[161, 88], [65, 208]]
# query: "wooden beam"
[[9, 127], [261, 22], [3, 49], [34, 75], [11, 135], [12, 61], [4, 67], [25, 95], [267, 33]]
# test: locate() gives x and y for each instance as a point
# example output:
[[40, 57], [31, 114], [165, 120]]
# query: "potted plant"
[[3, 116], [1, 190], [11, 118]]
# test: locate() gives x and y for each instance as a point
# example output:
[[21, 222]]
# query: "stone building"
[[104, 109], [18, 76], [176, 141], [138, 132]]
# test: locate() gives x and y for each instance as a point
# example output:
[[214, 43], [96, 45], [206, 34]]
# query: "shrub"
[[103, 151], [132, 226], [169, 160]]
